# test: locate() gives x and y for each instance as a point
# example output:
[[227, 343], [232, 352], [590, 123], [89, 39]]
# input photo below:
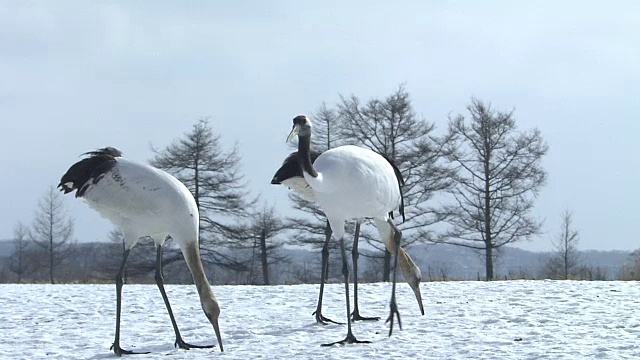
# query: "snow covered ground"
[[463, 320]]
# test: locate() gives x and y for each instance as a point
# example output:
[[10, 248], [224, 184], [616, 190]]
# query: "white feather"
[[354, 182], [145, 201], [301, 187]]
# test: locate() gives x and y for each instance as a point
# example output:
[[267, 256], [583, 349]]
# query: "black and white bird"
[[350, 182], [290, 174], [144, 201]]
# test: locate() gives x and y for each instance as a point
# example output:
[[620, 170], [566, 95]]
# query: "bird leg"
[[119, 282], [160, 282], [320, 319], [397, 236], [355, 315], [350, 339]]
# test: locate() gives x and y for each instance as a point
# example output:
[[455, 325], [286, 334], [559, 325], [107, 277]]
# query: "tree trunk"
[[566, 262], [489, 261], [265, 265], [488, 240], [20, 266], [253, 260], [196, 182], [51, 248]]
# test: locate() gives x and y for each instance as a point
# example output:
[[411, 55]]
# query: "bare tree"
[[109, 263], [499, 173], [52, 230], [391, 127], [565, 260], [591, 273], [117, 237], [262, 231], [213, 176], [19, 262], [328, 129], [439, 271], [141, 265], [630, 270]]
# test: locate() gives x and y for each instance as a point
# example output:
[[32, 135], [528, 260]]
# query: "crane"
[[352, 182], [144, 201], [290, 174]]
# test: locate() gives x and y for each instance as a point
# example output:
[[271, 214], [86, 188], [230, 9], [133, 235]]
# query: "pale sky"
[[78, 75]]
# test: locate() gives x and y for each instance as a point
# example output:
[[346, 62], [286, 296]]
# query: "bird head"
[[212, 311], [301, 127]]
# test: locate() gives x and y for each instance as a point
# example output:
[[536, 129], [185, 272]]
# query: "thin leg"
[[350, 339], [119, 282], [355, 315], [160, 282], [397, 236], [320, 319]]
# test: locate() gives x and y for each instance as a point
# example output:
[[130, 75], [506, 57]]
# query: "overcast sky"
[[75, 76]]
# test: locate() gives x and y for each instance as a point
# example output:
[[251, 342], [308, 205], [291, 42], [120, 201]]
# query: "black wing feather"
[[400, 185], [291, 168]]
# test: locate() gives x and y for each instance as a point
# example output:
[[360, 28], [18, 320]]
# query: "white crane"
[[350, 182], [290, 174], [144, 201]]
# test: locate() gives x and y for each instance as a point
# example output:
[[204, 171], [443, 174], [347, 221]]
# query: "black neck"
[[304, 158]]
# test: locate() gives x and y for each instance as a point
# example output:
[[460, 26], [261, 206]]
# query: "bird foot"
[[350, 339], [394, 312], [320, 319], [355, 316], [120, 351], [184, 345]]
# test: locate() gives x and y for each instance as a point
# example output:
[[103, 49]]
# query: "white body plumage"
[[145, 201], [300, 186], [354, 183]]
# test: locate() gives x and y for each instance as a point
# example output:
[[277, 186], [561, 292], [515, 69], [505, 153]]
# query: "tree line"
[[474, 185], [98, 262]]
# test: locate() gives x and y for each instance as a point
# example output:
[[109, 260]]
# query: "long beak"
[[294, 132], [416, 291], [216, 328]]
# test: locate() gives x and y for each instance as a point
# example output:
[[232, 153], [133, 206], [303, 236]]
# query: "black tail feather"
[[89, 170], [109, 150], [400, 185]]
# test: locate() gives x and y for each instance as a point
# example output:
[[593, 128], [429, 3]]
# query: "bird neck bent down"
[[304, 156], [191, 253]]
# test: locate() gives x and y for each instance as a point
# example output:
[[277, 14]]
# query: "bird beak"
[[294, 132], [416, 291], [213, 319], [216, 328]]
